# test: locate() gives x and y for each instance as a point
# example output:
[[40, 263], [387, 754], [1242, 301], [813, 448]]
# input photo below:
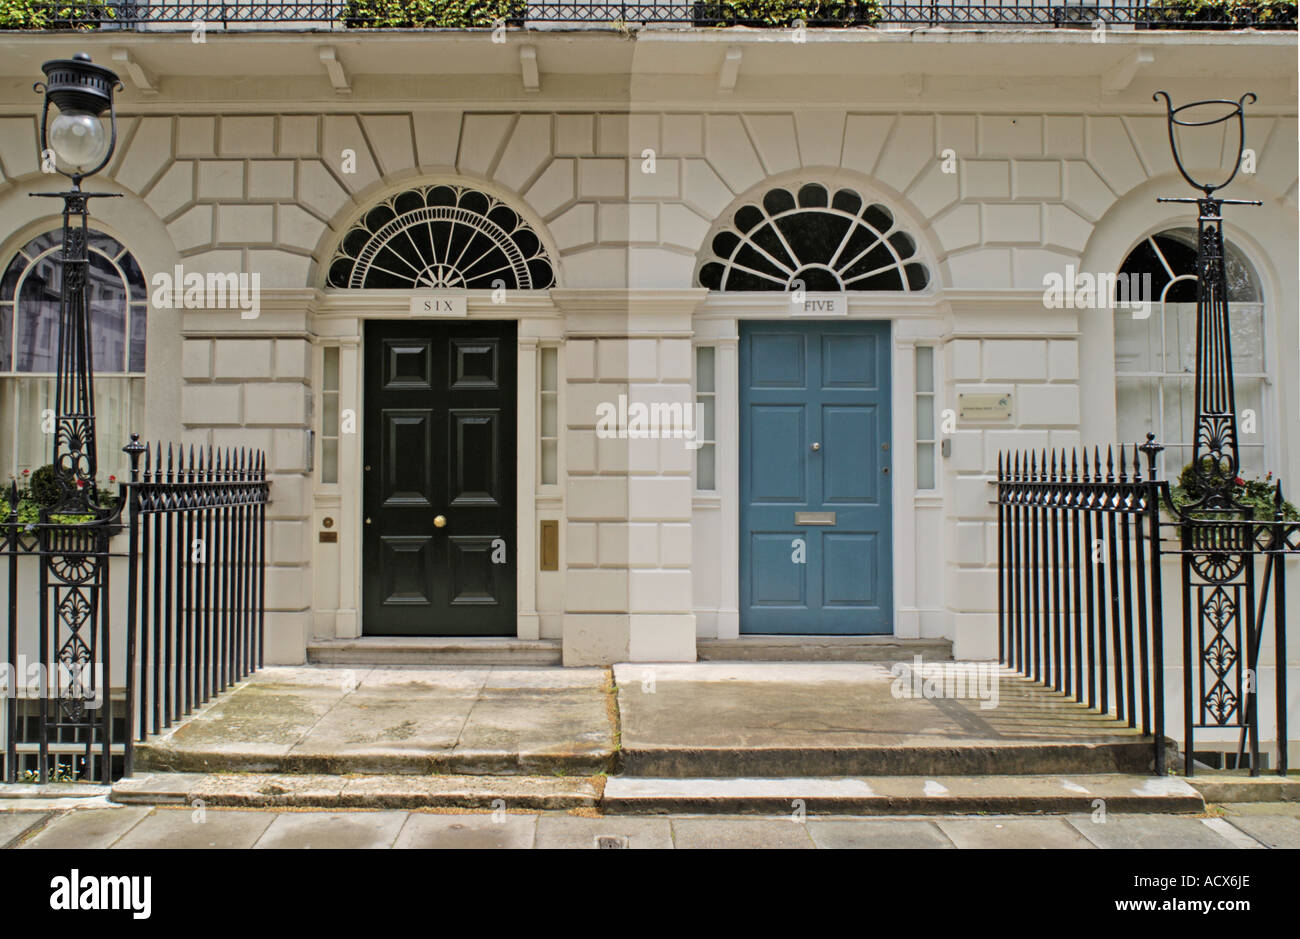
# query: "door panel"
[[776, 466], [826, 385], [407, 457], [439, 441]]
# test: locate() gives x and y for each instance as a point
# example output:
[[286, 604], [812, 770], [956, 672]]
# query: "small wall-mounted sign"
[[329, 537], [439, 304], [819, 304], [984, 406]]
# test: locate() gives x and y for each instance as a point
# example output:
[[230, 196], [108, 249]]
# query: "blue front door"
[[815, 535]]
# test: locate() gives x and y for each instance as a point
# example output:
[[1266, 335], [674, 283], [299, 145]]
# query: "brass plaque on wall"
[[984, 407], [550, 548]]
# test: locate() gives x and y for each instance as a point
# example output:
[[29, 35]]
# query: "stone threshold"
[[822, 649], [436, 650]]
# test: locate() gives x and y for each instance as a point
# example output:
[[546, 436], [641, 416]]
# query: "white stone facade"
[[626, 184]]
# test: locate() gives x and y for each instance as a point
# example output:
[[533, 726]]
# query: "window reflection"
[[117, 300]]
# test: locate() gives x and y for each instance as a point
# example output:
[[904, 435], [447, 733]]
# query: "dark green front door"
[[438, 552]]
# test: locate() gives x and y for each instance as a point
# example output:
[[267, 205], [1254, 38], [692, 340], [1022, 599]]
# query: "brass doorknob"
[[440, 521]]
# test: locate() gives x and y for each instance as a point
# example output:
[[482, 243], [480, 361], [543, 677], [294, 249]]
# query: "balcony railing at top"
[[399, 14]]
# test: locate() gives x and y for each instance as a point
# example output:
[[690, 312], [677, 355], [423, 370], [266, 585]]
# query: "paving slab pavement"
[[570, 831], [324, 719], [887, 833], [740, 833], [1012, 833], [1273, 831], [1148, 831], [87, 828], [140, 827], [13, 825], [197, 828], [324, 830], [844, 719], [490, 831]]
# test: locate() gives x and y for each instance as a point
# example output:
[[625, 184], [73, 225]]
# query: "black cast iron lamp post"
[[76, 143], [79, 92], [1215, 456], [1219, 539]]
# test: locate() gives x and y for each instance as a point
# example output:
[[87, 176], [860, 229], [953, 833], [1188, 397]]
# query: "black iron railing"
[[1225, 612], [1081, 607], [60, 716], [187, 623], [387, 14], [195, 609], [1079, 590]]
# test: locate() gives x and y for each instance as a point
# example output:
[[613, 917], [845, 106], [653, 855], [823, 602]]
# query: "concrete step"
[[902, 759], [1239, 786], [903, 795], [426, 650], [822, 649], [881, 795], [267, 790]]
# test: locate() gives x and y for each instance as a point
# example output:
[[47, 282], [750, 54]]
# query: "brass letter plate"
[[814, 518], [550, 553]]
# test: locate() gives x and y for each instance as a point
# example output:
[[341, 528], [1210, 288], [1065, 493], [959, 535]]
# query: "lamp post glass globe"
[[78, 138]]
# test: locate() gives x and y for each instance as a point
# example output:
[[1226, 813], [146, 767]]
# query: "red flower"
[[81, 484], [26, 472], [112, 479], [1239, 481]]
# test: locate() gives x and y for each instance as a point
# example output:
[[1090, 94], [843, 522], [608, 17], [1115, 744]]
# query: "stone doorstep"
[[416, 651], [1238, 786], [822, 649], [903, 795], [1008, 759], [265, 790]]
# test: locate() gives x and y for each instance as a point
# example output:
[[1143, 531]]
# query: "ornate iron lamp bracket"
[[1215, 454]]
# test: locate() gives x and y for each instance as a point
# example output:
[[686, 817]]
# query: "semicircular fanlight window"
[[442, 236], [814, 238]]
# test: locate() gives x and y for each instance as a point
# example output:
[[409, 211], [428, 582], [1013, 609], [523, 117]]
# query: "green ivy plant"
[[431, 14], [53, 14], [786, 13], [1215, 14], [1256, 494]]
